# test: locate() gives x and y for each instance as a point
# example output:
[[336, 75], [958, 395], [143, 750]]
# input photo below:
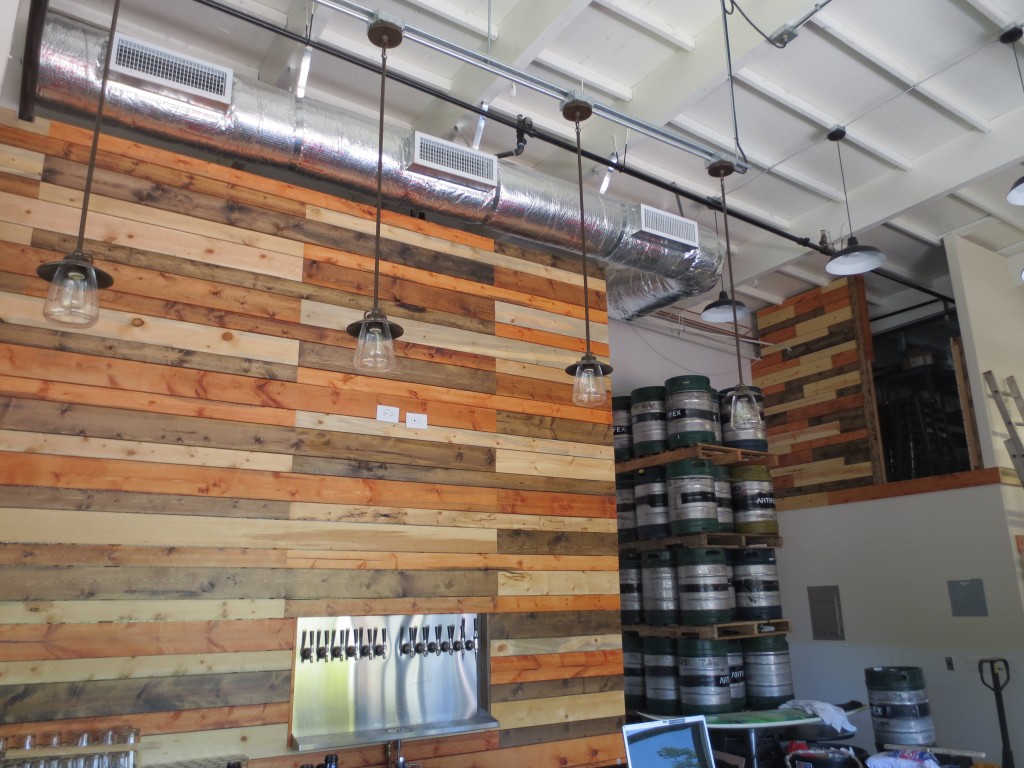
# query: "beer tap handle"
[[305, 651], [380, 649], [421, 645], [350, 648], [472, 642], [446, 645], [404, 647], [321, 649]]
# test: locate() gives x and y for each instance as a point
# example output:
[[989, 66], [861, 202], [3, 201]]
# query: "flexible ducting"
[[269, 126]]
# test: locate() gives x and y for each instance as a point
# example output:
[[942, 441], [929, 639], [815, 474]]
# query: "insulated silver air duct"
[[269, 126]]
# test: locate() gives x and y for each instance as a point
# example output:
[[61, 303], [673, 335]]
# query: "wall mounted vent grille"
[[444, 159], [660, 225], [172, 73]]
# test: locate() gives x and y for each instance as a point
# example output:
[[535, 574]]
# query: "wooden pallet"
[[723, 540], [718, 454], [733, 630]]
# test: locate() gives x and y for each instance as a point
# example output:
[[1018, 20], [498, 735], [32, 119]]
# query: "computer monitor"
[[680, 742]]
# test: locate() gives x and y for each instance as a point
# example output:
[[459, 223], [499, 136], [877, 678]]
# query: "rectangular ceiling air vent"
[[172, 74], [453, 162], [660, 225]]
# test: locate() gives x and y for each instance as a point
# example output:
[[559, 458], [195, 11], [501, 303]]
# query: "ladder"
[[1014, 446]]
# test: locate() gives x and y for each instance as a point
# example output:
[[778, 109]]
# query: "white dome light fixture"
[[854, 259]]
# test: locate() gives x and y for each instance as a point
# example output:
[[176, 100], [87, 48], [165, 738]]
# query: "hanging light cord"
[[1016, 60], [732, 89], [380, 169], [583, 237], [842, 177], [87, 191], [732, 288]]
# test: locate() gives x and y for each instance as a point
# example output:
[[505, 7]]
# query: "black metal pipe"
[[30, 60], [911, 284]]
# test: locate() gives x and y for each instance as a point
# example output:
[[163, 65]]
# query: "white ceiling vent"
[[453, 162], [172, 73], [662, 226]]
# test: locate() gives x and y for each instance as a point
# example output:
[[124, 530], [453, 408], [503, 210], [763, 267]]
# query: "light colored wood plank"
[[254, 742], [39, 125], [15, 233], [525, 463], [388, 232], [21, 162], [816, 477], [170, 220], [851, 379], [418, 561], [526, 317], [65, 526], [90, 611], [102, 448], [534, 583], [171, 665], [452, 436], [543, 645], [409, 516], [133, 234], [558, 709], [785, 442], [125, 326]]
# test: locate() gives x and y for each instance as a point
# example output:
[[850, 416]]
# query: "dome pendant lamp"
[[854, 259], [588, 373], [73, 298], [1016, 194], [375, 334]]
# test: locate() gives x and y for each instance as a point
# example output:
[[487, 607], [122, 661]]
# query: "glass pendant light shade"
[[1016, 194], [743, 410], [588, 388], [721, 310], [73, 298], [375, 348], [855, 259]]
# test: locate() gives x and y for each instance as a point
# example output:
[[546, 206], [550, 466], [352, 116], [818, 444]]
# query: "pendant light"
[[75, 282], [375, 334], [744, 413], [743, 410], [1016, 194], [588, 373], [724, 309], [854, 259]]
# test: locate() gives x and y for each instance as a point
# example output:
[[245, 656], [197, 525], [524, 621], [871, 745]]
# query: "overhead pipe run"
[[269, 126]]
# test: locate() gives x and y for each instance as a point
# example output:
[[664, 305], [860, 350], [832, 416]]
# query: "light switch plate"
[[387, 413], [416, 420]]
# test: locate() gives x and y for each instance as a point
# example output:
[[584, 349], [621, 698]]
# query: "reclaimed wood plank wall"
[[182, 481], [819, 394]]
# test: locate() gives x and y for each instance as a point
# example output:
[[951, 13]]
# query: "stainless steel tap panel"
[[371, 679]]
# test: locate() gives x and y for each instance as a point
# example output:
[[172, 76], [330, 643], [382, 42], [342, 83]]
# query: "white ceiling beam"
[[800, 273], [457, 16], [880, 58], [955, 164], [907, 227], [280, 63], [966, 229], [529, 28], [757, 160], [816, 115], [653, 23], [992, 12], [364, 48], [578, 73], [996, 209], [757, 293]]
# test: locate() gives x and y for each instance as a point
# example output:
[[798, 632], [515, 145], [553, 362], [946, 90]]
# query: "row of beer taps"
[[355, 644]]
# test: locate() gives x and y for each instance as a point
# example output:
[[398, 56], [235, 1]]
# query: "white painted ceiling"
[[932, 102]]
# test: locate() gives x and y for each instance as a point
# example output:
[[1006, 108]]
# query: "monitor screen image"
[[677, 743]]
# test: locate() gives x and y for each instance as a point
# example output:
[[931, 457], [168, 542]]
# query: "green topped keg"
[[704, 686], [689, 411], [703, 577], [692, 502]]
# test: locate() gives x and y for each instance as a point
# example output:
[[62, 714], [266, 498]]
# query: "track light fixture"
[[375, 348], [588, 373], [854, 259], [75, 282]]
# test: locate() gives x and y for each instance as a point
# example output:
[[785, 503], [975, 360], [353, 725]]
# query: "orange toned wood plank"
[[554, 666], [74, 368], [949, 482], [548, 339], [412, 274], [26, 642], [576, 753], [37, 389], [535, 285], [22, 186], [803, 501], [101, 474], [831, 474], [154, 723], [149, 154], [780, 377], [72, 554], [416, 561], [397, 606], [414, 751], [521, 604], [793, 437], [561, 504], [347, 383], [810, 408]]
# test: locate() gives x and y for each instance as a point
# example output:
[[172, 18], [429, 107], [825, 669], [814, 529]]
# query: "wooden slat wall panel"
[[818, 389], [182, 481]]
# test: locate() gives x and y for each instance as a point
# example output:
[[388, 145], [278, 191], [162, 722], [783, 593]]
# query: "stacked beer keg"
[[695, 586]]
